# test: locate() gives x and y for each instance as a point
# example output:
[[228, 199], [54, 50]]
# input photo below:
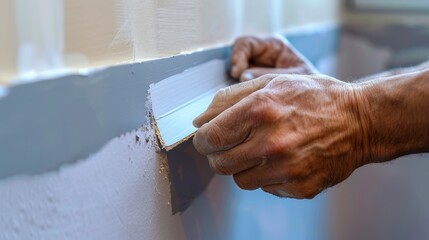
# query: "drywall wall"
[[87, 34], [95, 196], [51, 119], [122, 192]]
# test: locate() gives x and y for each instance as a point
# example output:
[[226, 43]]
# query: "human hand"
[[253, 57], [291, 135]]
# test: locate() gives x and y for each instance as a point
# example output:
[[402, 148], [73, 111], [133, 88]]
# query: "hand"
[[291, 135], [253, 57]]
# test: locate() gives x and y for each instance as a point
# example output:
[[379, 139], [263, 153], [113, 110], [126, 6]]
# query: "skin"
[[254, 57], [294, 135]]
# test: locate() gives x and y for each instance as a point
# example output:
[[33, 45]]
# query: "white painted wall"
[[93, 33]]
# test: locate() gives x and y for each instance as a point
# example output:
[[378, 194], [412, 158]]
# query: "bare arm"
[[398, 110], [296, 135]]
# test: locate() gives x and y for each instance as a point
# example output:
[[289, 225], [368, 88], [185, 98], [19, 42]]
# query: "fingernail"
[[247, 76]]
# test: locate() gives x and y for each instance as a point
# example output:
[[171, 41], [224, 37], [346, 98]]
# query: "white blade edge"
[[179, 99]]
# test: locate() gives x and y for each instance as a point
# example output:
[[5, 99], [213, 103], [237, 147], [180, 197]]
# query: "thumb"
[[227, 97]]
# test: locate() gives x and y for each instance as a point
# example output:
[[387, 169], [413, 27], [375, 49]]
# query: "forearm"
[[398, 115]]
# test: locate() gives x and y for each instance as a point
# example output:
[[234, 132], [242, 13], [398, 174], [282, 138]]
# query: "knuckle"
[[277, 82], [242, 43], [217, 163], [277, 146], [241, 39], [326, 180], [246, 39], [221, 94], [262, 107], [259, 97], [299, 168], [291, 172], [310, 194], [307, 191], [267, 77], [214, 136]]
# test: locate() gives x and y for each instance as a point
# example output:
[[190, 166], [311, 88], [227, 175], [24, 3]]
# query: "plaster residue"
[[122, 191]]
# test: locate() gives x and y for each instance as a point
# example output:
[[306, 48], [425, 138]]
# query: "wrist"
[[396, 117], [360, 109]]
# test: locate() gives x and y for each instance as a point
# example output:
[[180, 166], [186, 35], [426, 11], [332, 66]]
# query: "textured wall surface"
[[122, 192]]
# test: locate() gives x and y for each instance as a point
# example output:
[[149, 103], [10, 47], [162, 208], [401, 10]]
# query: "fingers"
[[295, 190], [279, 191], [241, 53], [291, 58], [274, 52], [239, 62], [225, 131], [268, 172], [271, 171], [300, 189], [253, 50], [238, 159], [227, 97]]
